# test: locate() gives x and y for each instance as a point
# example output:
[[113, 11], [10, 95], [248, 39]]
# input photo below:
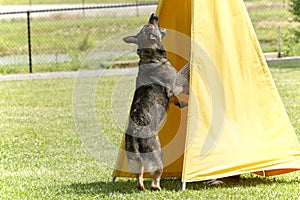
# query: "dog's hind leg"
[[136, 167], [140, 180], [139, 171], [155, 185]]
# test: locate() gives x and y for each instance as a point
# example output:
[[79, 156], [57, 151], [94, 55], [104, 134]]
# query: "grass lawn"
[[24, 2], [42, 155]]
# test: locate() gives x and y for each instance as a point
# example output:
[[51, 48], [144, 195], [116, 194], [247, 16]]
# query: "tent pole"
[[183, 186], [113, 179]]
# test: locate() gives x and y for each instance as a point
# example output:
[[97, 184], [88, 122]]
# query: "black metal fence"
[[59, 39]]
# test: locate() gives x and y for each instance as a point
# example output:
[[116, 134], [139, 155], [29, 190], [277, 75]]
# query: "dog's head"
[[150, 36]]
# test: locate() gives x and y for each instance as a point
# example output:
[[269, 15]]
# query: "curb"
[[270, 58], [283, 59]]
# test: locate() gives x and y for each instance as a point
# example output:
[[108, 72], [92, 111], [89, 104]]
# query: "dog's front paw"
[[181, 104]]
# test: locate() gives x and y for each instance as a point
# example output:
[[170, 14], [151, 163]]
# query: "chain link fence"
[[59, 37], [272, 22]]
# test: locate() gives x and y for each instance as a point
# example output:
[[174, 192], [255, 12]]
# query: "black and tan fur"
[[155, 86]]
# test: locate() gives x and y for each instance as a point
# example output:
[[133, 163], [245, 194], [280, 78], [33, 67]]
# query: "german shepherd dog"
[[155, 86]]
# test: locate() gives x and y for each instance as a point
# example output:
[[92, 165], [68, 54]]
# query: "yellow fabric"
[[236, 122], [176, 18], [254, 133]]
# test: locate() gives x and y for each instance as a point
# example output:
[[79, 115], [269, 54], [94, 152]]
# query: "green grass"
[[287, 79], [293, 64], [52, 67], [42, 155], [22, 2]]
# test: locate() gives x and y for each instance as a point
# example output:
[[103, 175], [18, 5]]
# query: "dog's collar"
[[152, 56]]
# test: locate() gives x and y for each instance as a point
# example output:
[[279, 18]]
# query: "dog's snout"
[[153, 19], [153, 16]]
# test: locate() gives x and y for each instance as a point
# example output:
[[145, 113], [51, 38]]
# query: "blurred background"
[[66, 35]]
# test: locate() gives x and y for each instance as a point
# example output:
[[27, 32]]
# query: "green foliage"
[[295, 9], [86, 43], [292, 42]]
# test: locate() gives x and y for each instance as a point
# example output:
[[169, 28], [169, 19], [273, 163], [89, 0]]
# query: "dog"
[[155, 90]]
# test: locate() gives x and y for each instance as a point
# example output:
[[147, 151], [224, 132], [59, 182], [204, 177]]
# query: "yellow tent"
[[235, 122]]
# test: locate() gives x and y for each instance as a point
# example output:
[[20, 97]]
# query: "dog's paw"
[[214, 182], [155, 188], [141, 187], [181, 104]]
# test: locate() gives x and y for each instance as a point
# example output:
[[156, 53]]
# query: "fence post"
[[279, 43], [83, 8], [137, 8], [29, 41]]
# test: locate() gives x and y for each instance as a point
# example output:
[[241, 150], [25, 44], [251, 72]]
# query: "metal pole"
[[114, 179], [29, 42], [137, 8], [83, 10], [183, 186], [279, 43]]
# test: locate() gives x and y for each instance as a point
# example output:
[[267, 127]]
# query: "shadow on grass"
[[124, 186], [244, 182], [173, 184], [293, 64], [103, 187]]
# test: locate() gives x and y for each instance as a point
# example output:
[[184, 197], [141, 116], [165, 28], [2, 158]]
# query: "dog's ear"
[[130, 39]]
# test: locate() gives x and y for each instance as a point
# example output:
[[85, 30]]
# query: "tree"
[[295, 9]]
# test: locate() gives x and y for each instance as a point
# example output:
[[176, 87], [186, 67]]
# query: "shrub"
[[295, 9], [293, 39]]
